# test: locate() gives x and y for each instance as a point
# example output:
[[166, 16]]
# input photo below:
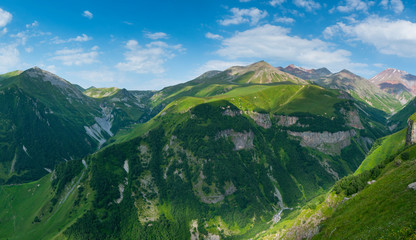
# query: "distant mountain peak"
[[306, 73], [263, 72], [44, 75], [397, 82]]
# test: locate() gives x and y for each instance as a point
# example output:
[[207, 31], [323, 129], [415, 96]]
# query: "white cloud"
[[157, 35], [309, 5], [274, 3], [379, 65], [3, 32], [101, 76], [392, 37], [274, 42], [32, 25], [87, 14], [245, 0], [75, 56], [396, 5], [355, 5], [5, 18], [149, 58], [213, 36], [9, 57], [82, 38], [283, 19], [251, 16], [29, 49]]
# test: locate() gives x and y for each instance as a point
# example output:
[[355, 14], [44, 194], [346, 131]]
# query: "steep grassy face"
[[383, 210], [42, 122], [100, 92], [45, 208], [45, 120], [377, 202], [399, 120], [10, 74], [225, 165]]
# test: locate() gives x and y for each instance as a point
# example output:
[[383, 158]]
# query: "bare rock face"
[[262, 119], [286, 121], [326, 142], [231, 113], [241, 141], [353, 120], [411, 132], [412, 186]]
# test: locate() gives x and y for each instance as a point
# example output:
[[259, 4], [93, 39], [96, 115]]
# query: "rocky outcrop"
[[262, 119], [287, 121], [326, 142], [231, 113], [353, 119], [411, 132], [241, 140], [412, 186]]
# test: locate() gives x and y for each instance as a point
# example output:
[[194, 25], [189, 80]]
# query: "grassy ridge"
[[27, 212], [101, 92], [382, 149], [380, 211]]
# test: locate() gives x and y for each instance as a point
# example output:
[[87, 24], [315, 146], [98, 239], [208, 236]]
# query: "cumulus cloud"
[[274, 42], [392, 37], [5, 18], [251, 16], [156, 35], [87, 14], [355, 5], [9, 57], [274, 3], [283, 19], [309, 5], [149, 58], [213, 36], [101, 76], [82, 38], [32, 25], [396, 5], [76, 56]]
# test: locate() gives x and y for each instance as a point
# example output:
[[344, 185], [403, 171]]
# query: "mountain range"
[[252, 152]]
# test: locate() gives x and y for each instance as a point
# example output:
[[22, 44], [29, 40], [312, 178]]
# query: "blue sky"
[[153, 44]]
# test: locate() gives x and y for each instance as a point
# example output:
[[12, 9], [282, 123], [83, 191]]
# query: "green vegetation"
[[383, 148], [382, 210], [101, 92], [29, 211]]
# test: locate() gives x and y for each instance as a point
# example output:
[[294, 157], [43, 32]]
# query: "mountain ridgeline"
[[46, 120], [253, 152]]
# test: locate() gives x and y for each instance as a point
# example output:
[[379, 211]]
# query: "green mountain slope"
[[223, 165], [101, 92], [383, 148], [361, 89], [383, 210], [399, 119], [214, 82], [45, 208], [45, 120], [377, 202], [228, 155]]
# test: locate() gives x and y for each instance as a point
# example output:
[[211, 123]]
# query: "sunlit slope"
[[43, 209]]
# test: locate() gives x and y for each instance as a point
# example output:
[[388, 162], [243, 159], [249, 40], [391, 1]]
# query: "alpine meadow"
[[208, 120]]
